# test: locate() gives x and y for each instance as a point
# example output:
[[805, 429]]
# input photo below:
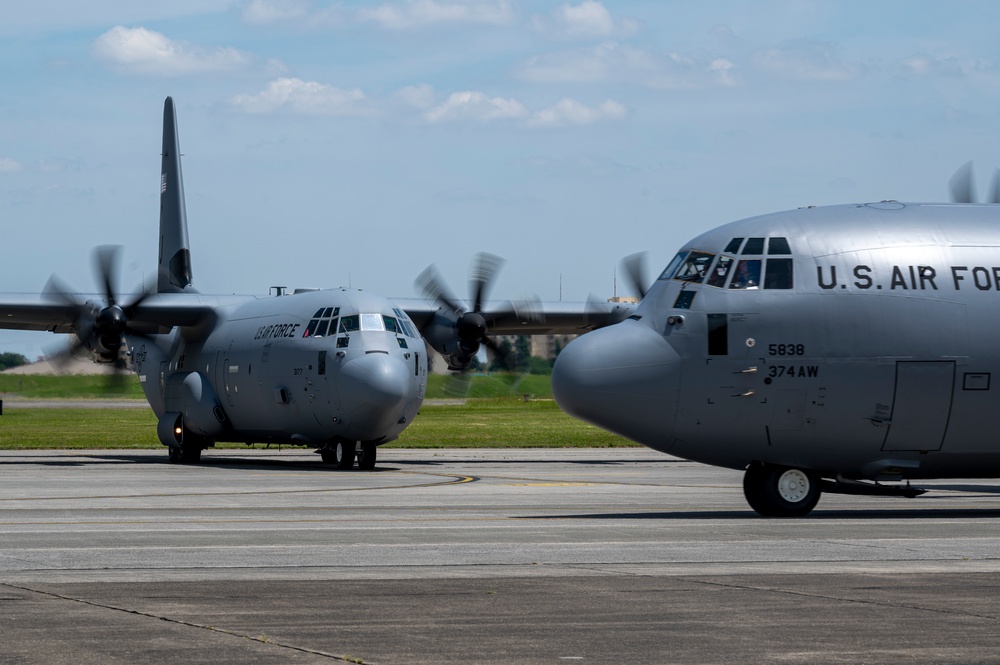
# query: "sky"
[[352, 144]]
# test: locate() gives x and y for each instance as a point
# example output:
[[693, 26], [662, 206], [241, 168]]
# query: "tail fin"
[[175, 256]]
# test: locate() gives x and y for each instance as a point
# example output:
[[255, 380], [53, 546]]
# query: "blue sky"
[[335, 143]]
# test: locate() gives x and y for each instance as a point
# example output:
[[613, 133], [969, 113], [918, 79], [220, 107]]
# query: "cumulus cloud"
[[8, 165], [306, 97], [622, 63], [806, 61], [477, 106], [571, 112], [263, 12], [416, 96], [414, 14], [586, 20], [148, 52]]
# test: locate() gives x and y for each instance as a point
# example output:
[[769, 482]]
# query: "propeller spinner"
[[458, 331], [99, 324]]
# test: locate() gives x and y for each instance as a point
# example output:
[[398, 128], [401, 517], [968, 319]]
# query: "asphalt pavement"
[[471, 556]]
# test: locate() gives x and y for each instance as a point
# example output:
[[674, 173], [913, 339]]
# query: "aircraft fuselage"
[[308, 369], [852, 341]]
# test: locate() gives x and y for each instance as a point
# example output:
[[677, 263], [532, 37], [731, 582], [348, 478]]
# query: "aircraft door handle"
[[749, 393], [748, 370]]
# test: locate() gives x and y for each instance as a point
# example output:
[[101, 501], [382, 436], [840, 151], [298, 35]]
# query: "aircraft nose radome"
[[375, 388], [624, 378]]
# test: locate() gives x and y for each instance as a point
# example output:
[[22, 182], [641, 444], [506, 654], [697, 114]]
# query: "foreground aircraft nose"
[[374, 389], [624, 378]]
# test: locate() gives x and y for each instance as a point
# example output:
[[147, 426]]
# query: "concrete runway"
[[512, 556]]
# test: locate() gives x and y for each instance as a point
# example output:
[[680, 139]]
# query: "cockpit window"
[[733, 246], [684, 299], [403, 321], [391, 325], [350, 323], [673, 265], [372, 322], [747, 274], [754, 246], [778, 246], [778, 274], [720, 271], [324, 319], [694, 267]]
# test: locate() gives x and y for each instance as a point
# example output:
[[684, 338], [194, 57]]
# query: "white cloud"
[[413, 14], [8, 165], [476, 106], [306, 97], [416, 96], [589, 18], [586, 20], [262, 12], [806, 61], [622, 63], [144, 51], [571, 112], [722, 69]]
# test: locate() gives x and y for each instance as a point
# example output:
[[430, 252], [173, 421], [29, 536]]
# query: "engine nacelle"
[[191, 395], [443, 335]]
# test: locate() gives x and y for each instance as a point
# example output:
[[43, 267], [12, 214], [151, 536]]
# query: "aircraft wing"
[[23, 311], [529, 318], [29, 311]]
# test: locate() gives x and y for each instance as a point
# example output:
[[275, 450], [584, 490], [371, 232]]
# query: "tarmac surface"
[[473, 556]]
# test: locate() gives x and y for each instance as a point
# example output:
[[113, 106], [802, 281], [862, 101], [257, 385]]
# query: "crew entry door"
[[922, 405]]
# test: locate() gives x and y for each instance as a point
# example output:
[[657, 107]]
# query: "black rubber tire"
[[344, 455], [190, 454], [366, 458], [780, 491]]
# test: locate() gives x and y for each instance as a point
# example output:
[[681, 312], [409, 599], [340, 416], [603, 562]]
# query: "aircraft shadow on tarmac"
[[248, 463], [817, 514]]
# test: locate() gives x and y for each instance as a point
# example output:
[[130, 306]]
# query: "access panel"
[[922, 405]]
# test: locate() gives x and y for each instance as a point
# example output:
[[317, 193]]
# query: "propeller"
[[634, 266], [466, 331], [963, 187], [99, 324]]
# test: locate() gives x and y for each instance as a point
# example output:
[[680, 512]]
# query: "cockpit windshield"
[[671, 268], [694, 267]]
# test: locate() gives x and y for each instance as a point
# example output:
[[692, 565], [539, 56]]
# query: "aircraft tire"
[[174, 455], [780, 491], [190, 454], [344, 455], [366, 458]]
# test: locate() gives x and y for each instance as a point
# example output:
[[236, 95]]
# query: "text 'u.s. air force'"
[[911, 278]]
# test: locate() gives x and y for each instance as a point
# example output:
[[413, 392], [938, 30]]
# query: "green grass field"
[[495, 415], [99, 387], [487, 423]]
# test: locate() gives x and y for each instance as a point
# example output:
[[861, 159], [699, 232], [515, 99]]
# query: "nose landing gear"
[[780, 491], [343, 453]]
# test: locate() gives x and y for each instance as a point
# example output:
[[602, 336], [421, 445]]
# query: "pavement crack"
[[260, 638], [859, 601]]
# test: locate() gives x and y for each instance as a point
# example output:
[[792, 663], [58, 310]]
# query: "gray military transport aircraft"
[[824, 349], [339, 370]]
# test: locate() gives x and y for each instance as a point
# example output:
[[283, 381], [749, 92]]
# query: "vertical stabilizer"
[[175, 256]]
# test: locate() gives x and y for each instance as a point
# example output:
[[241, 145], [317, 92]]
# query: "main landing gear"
[[184, 454], [343, 453], [780, 491]]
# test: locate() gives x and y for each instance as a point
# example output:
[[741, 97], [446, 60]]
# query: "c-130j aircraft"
[[823, 349], [339, 370]]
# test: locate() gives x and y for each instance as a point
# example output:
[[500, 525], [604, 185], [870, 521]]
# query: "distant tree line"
[[8, 360]]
